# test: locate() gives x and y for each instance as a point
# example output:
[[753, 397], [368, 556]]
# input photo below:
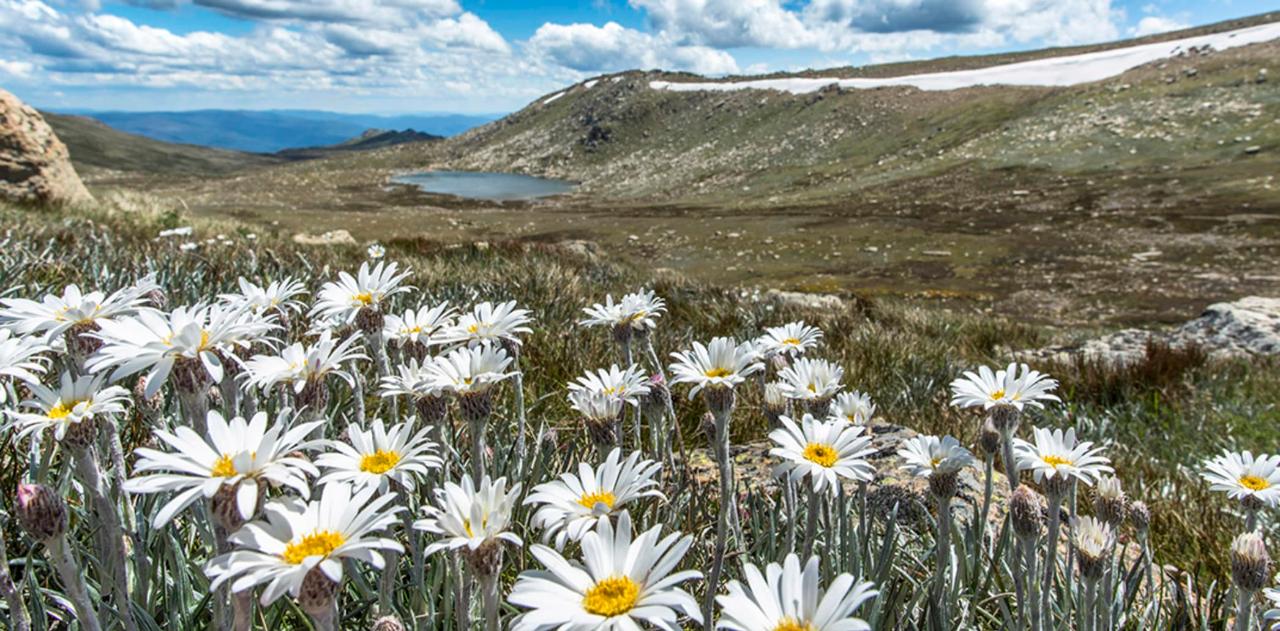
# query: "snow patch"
[[555, 96], [1053, 71], [590, 84]]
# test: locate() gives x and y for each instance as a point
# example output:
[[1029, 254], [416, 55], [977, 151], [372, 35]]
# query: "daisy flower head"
[[788, 598], [375, 251], [1254, 481], [53, 315], [601, 413], [278, 295], [825, 451], [470, 370], [370, 288], [928, 456], [379, 456], [569, 507], [237, 455], [628, 385], [21, 358], [853, 407], [69, 409], [1015, 386], [1055, 458], [488, 323], [155, 342], [466, 517], [716, 368], [418, 326], [297, 537], [415, 381], [298, 365], [791, 339], [622, 581], [636, 313], [1093, 540], [811, 380]]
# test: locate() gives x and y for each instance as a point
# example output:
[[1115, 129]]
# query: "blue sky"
[[491, 56]]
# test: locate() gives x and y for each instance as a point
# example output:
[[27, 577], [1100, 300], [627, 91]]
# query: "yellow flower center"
[[318, 543], [997, 395], [791, 624], [365, 298], [639, 315], [613, 596], [223, 467], [813, 388], [791, 341], [61, 410], [1254, 483], [379, 461], [204, 339], [1054, 461], [474, 328], [820, 453], [589, 500], [718, 372], [466, 525]]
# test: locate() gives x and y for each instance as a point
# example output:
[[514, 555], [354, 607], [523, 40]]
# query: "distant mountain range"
[[274, 130]]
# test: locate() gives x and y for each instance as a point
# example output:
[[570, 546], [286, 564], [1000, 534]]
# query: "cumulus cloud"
[[1154, 24], [385, 11], [591, 48]]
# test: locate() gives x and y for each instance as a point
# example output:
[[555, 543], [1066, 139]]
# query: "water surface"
[[482, 185]]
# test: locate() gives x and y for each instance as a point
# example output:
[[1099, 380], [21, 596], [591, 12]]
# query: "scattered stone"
[[937, 253], [1252, 149], [588, 250], [35, 167], [806, 301], [332, 237], [1249, 327]]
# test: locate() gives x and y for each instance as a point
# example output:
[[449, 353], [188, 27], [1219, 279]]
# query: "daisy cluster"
[[309, 433]]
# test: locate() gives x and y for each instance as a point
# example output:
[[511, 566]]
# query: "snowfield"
[[1054, 71]]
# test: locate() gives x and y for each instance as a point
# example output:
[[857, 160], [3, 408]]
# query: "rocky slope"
[[35, 167]]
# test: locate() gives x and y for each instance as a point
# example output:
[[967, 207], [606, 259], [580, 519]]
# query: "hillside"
[[368, 141], [275, 130], [99, 151]]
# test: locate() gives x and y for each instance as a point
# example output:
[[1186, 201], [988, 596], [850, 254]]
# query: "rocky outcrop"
[[1245, 328], [35, 167]]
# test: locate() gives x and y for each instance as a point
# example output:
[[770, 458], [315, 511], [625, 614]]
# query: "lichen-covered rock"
[[35, 167], [1249, 327]]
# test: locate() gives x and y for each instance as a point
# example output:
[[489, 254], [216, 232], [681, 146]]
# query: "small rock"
[[333, 237], [1252, 149]]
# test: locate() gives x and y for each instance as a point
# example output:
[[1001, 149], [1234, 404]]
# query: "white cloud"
[[590, 48], [380, 11], [727, 23], [1154, 24], [16, 68]]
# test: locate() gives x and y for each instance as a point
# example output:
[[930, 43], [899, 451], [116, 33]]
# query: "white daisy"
[[629, 384], [636, 311], [297, 536], [596, 406], [154, 341], [418, 326], [1273, 595], [791, 339], [811, 379], [467, 517], [470, 370], [1057, 454], [925, 456], [77, 400], [823, 450], [376, 251], [378, 456], [341, 300], [987, 389], [54, 314], [487, 323], [299, 364], [1246, 478], [620, 583], [279, 295], [237, 454], [20, 359], [786, 598], [570, 505], [723, 363], [853, 407], [412, 379]]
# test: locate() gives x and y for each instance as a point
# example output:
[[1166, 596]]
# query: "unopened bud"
[[387, 623], [1110, 503], [41, 512], [989, 439], [1026, 509], [1139, 517], [1250, 563]]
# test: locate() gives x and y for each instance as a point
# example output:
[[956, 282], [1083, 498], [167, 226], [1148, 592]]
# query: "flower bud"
[[1140, 517], [1026, 510], [387, 623], [41, 512], [655, 403], [989, 439], [1250, 563], [1093, 540], [1109, 501]]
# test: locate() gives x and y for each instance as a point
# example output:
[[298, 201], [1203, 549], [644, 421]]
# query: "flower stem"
[[73, 583], [521, 421], [1033, 598], [943, 546], [1244, 609], [490, 587], [111, 542], [326, 619], [1050, 558], [811, 523], [18, 616], [477, 449], [242, 611], [988, 490], [722, 521]]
